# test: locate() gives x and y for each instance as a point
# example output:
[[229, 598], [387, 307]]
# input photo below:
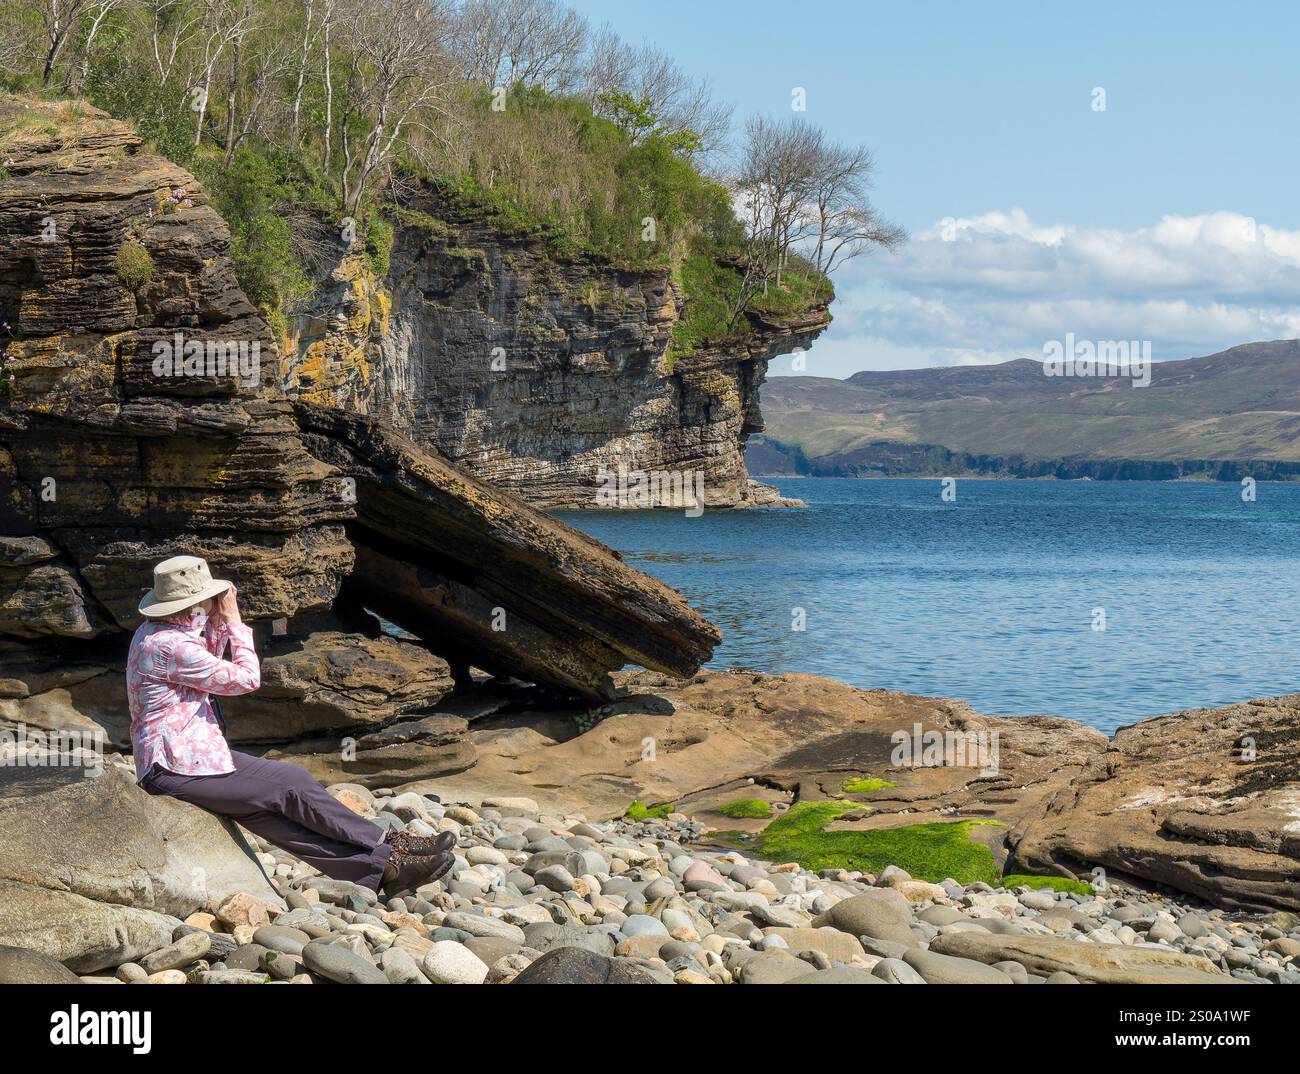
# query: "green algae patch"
[[863, 785], [746, 809], [932, 852], [1054, 883], [641, 811]]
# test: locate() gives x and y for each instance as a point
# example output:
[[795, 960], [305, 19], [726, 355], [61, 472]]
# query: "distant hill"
[[1221, 416]]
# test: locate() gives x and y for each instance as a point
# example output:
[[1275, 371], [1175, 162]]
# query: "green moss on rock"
[[747, 809], [932, 852], [1054, 883], [864, 785], [641, 811]]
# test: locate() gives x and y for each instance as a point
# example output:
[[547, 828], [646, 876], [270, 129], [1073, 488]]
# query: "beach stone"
[[571, 965], [841, 946], [643, 925], [247, 956], [555, 877], [1014, 970], [701, 875], [1163, 930], [167, 977], [772, 967], [1099, 963], [504, 970], [400, 968], [339, 892], [918, 891], [282, 938], [838, 975], [491, 949], [481, 925], [945, 969], [780, 916], [18, 965], [1037, 900], [449, 962], [941, 915], [867, 915], [339, 963], [547, 936], [244, 909], [644, 946], [236, 977], [280, 964], [189, 948], [896, 971]]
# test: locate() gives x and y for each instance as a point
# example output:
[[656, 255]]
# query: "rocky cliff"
[[539, 371], [141, 417]]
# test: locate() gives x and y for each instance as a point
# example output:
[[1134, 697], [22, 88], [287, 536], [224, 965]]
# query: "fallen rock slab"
[[446, 556], [1098, 963]]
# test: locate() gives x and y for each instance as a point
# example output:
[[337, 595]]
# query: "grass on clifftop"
[[932, 852], [711, 287]]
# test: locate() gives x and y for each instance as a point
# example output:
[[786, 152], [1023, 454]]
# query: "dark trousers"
[[284, 805]]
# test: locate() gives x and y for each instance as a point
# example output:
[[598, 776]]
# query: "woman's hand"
[[226, 609]]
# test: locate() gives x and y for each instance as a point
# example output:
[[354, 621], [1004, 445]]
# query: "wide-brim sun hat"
[[180, 583]]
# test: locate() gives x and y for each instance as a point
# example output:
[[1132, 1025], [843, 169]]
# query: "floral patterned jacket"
[[174, 664]]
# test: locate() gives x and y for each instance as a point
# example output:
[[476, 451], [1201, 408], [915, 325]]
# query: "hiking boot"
[[405, 873], [419, 846]]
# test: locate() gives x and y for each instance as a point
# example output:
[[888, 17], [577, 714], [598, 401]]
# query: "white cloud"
[[998, 286]]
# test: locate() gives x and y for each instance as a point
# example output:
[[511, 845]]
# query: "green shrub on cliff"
[[134, 265], [262, 195]]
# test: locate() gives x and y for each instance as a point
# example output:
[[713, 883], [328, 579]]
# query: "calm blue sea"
[[991, 598]]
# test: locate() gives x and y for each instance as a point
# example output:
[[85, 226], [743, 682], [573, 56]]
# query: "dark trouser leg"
[[285, 806]]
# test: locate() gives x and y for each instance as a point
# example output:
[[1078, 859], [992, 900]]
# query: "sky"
[[1171, 215]]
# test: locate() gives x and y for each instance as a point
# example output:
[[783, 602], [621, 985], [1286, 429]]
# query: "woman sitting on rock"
[[175, 666]]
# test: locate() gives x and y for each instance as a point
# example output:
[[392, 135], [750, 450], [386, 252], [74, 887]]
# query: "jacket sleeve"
[[190, 663]]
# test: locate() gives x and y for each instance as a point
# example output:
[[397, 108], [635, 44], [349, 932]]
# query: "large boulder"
[[21, 966], [1205, 801], [331, 681], [95, 872]]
